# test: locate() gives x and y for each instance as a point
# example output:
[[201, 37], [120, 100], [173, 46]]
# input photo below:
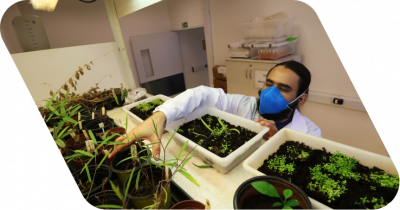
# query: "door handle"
[[250, 73], [246, 73]]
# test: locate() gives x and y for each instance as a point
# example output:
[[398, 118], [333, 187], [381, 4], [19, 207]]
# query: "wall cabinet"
[[240, 73]]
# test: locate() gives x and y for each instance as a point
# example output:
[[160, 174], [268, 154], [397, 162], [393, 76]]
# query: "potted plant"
[[59, 136], [109, 199], [189, 204], [332, 174], [149, 185], [138, 115], [119, 95], [265, 192], [97, 179], [222, 145]]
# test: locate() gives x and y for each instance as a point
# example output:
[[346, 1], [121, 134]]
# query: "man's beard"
[[278, 117]]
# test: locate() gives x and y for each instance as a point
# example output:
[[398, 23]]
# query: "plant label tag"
[[86, 135], [89, 146], [133, 150], [105, 151], [79, 116], [73, 135], [92, 115], [101, 125], [80, 125], [208, 206], [103, 110]]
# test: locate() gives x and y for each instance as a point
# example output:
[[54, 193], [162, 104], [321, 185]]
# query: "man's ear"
[[302, 99]]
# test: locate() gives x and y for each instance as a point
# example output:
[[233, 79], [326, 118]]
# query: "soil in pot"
[[107, 197], [72, 144], [335, 180], [221, 145], [144, 195], [263, 202], [100, 180], [145, 110]]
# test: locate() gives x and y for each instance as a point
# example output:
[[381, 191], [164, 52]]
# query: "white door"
[[156, 55]]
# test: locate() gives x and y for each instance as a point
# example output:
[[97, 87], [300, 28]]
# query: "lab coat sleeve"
[[186, 102]]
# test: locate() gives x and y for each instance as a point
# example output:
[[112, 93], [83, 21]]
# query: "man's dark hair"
[[301, 71]]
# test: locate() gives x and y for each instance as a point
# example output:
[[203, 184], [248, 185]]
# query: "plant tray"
[[365, 158], [134, 117], [223, 165]]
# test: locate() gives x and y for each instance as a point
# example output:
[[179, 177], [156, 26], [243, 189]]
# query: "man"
[[285, 90]]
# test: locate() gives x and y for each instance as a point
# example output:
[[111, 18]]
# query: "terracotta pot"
[[189, 204], [99, 157], [246, 190], [70, 142]]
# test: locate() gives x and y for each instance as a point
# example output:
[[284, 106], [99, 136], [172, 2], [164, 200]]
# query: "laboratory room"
[[192, 104]]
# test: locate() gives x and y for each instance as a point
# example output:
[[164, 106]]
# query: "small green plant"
[[364, 200], [124, 94], [266, 188], [224, 147], [373, 188]]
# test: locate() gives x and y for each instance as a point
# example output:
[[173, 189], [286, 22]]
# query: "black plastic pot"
[[140, 202], [246, 190], [124, 174], [101, 173], [93, 125], [120, 103], [107, 198], [110, 104]]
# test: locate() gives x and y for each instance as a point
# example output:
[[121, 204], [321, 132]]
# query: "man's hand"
[[270, 124], [144, 130]]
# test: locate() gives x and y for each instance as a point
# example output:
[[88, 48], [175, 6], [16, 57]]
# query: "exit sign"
[[184, 25]]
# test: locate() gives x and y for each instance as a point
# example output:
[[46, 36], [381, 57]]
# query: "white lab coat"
[[241, 105]]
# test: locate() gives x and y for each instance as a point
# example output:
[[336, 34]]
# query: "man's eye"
[[283, 89], [268, 84]]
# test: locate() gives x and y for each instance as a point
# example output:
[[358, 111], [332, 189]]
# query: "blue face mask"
[[273, 102]]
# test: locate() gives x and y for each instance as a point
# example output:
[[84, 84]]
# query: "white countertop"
[[218, 188]]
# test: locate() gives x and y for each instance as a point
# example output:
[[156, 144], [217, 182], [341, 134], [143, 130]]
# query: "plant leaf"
[[104, 158], [203, 166], [287, 207], [109, 206], [124, 160], [129, 183], [172, 136], [292, 202], [277, 204], [92, 137], [116, 190], [182, 149], [115, 97], [188, 176], [66, 96], [187, 159], [137, 180], [206, 125], [74, 111], [287, 193], [265, 188], [66, 134], [84, 153], [60, 143], [68, 119], [87, 172]]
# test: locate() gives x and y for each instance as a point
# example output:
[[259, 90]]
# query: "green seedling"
[[266, 188]]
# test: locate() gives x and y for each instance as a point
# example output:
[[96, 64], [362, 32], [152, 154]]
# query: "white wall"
[[185, 11], [7, 31], [72, 23], [193, 54], [152, 19], [328, 74], [54, 67]]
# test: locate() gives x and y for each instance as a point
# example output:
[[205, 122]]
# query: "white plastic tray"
[[223, 165], [366, 158], [135, 118]]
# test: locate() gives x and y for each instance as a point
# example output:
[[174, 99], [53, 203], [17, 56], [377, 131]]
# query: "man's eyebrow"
[[279, 84]]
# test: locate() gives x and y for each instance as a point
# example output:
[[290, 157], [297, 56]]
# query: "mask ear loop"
[[295, 100]]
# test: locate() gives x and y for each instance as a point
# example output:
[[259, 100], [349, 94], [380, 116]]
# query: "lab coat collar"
[[298, 122]]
